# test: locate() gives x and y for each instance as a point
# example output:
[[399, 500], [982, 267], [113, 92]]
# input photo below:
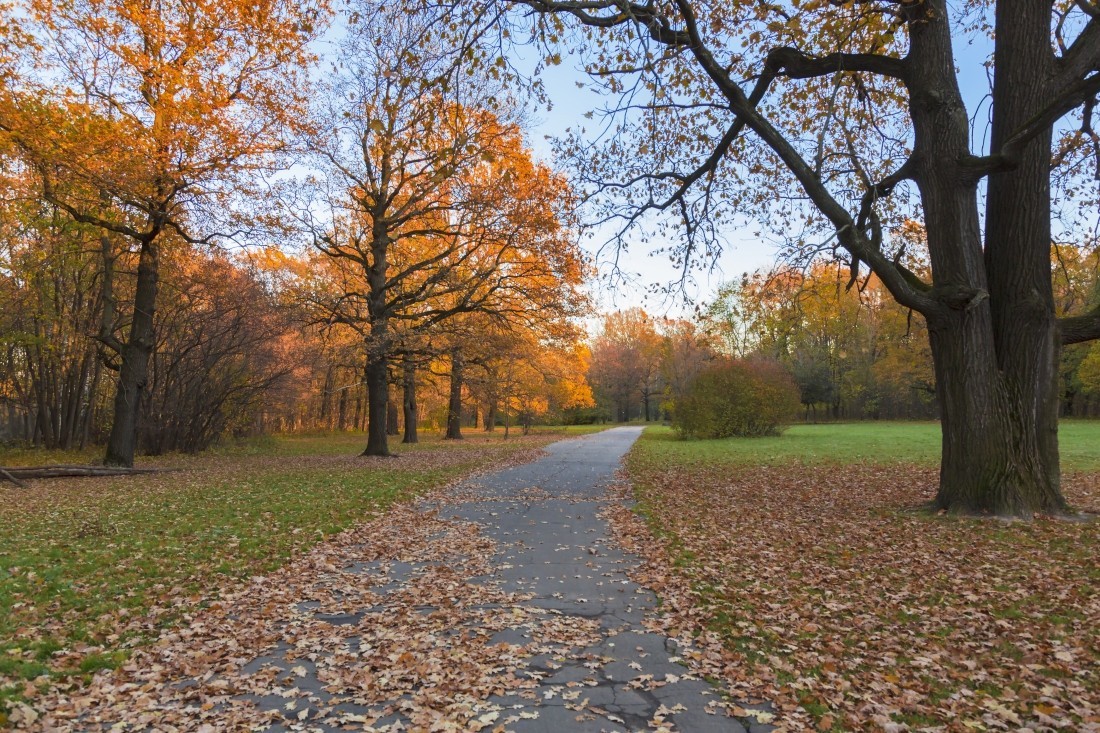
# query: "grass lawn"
[[570, 430], [91, 567], [874, 442], [839, 600]]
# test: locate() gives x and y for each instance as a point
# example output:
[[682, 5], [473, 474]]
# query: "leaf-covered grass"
[[850, 608], [91, 567], [873, 442], [570, 430]]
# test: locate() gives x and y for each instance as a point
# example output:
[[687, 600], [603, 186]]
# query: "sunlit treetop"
[[161, 104]]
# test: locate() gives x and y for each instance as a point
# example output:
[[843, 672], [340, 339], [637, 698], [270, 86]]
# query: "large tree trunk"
[[1017, 254], [409, 402], [454, 405], [993, 357], [378, 345], [993, 461], [491, 415], [378, 391], [134, 363]]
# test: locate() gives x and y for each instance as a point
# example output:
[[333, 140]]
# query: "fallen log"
[[58, 471], [7, 474]]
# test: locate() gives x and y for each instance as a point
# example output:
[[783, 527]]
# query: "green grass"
[[319, 443], [871, 442], [570, 430], [79, 554]]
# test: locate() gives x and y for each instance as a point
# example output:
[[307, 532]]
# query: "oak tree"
[[427, 196], [822, 117]]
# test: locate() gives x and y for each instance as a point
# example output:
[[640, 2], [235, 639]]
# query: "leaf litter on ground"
[[829, 591], [91, 570]]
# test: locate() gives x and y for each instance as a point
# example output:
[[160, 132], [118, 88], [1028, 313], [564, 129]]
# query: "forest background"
[[258, 233]]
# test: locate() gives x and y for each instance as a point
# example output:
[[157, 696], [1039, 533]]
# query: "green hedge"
[[737, 398]]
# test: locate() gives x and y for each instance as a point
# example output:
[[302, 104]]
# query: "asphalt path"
[[553, 552]]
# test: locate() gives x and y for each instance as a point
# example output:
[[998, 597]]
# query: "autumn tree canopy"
[[149, 121], [426, 198]]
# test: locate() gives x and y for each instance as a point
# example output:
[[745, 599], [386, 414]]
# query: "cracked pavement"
[[551, 607], [498, 604]]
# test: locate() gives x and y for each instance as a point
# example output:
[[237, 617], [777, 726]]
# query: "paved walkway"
[[552, 604], [557, 548]]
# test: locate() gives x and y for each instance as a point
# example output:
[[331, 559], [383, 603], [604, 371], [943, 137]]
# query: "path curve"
[[501, 604], [554, 550]]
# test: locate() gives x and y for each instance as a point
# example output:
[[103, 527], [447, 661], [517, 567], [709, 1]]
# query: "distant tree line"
[[852, 352]]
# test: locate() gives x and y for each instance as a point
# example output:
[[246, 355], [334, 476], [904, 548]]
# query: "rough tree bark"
[[134, 363], [377, 399], [378, 343], [993, 345], [454, 404]]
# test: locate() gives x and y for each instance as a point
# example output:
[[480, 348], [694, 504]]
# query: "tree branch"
[[1077, 329], [51, 196], [783, 61], [1007, 157], [587, 12], [794, 64], [1083, 55]]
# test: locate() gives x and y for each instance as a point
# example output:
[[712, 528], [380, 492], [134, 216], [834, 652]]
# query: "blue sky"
[[745, 253]]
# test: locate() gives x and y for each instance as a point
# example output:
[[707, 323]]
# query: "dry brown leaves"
[[227, 622], [826, 590], [419, 648]]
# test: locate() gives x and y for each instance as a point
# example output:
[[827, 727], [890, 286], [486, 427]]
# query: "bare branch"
[[1006, 158], [1077, 329]]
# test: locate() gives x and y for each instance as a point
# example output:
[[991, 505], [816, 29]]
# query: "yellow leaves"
[[200, 87]]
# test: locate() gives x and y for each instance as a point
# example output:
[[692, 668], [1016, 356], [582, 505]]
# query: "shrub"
[[743, 398]]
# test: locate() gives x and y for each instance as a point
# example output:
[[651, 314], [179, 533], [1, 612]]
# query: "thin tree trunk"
[[409, 402], [90, 414], [454, 405], [134, 367], [342, 411], [326, 397], [491, 415], [393, 426]]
